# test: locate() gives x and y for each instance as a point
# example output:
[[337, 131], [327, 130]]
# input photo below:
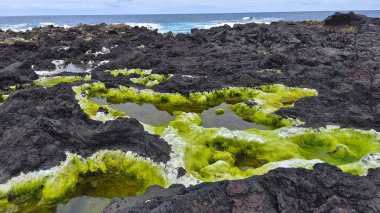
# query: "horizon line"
[[142, 14]]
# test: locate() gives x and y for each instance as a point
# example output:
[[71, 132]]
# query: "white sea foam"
[[245, 20], [16, 27], [151, 26], [25, 26], [44, 24]]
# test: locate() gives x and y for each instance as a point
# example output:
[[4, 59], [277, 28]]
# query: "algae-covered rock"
[[39, 125], [219, 111]]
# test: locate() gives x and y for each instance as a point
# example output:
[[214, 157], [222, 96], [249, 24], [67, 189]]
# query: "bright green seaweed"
[[145, 76], [3, 98], [213, 154], [268, 99], [52, 81], [54, 184], [207, 154]]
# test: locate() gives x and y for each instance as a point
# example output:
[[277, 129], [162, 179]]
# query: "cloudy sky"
[[69, 7]]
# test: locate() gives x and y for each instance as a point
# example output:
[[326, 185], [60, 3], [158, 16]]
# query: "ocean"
[[179, 23]]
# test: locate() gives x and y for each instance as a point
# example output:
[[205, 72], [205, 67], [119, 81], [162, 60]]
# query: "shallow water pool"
[[228, 119], [91, 195], [150, 114]]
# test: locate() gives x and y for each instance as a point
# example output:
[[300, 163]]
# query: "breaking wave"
[[175, 27]]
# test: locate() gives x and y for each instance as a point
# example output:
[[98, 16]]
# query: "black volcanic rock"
[[37, 127], [341, 19], [326, 189], [17, 73]]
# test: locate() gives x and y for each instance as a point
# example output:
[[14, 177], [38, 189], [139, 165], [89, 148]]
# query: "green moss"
[[52, 81], [54, 185], [219, 111]]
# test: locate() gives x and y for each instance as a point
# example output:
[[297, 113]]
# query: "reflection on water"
[[149, 114], [61, 66], [91, 195], [84, 204], [75, 68], [146, 113], [228, 120]]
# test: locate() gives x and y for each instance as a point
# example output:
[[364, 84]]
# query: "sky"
[[94, 7]]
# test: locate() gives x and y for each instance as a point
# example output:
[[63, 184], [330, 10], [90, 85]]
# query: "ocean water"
[[180, 23]]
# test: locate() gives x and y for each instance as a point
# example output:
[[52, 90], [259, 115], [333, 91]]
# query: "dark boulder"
[[17, 73], [341, 19]]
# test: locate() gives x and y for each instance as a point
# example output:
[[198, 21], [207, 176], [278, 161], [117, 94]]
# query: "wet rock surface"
[[339, 57], [39, 125], [326, 189]]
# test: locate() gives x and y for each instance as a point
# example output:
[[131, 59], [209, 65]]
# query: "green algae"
[[361, 167], [336, 146], [145, 113], [52, 81], [127, 72], [3, 98], [207, 154], [151, 80], [213, 154], [92, 109], [269, 99], [224, 116], [145, 76], [92, 193], [7, 207], [219, 111], [257, 115], [56, 184]]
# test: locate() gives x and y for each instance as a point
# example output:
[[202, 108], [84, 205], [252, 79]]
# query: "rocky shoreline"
[[326, 189], [339, 58]]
